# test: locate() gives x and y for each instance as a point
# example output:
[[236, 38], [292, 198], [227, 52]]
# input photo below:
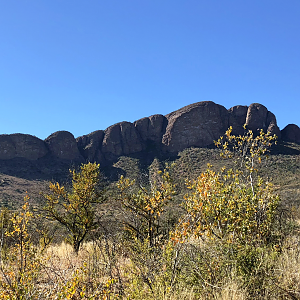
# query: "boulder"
[[62, 144], [21, 145], [89, 146], [198, 124], [291, 133], [121, 139]]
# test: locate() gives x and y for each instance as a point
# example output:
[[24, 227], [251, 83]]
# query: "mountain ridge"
[[195, 125]]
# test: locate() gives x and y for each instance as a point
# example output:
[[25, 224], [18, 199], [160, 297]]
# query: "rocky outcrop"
[[201, 123], [258, 117], [62, 145], [198, 124], [89, 146], [21, 145], [151, 130], [121, 139], [291, 133], [237, 118]]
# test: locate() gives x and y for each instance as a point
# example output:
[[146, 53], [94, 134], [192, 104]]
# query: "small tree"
[[147, 204], [247, 151], [20, 264], [144, 208], [74, 210], [233, 212]]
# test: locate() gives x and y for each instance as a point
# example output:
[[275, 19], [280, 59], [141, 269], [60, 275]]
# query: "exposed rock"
[[198, 124], [151, 129], [237, 118], [272, 125], [62, 144], [89, 146], [7, 147], [121, 139], [258, 117], [21, 145], [291, 133]]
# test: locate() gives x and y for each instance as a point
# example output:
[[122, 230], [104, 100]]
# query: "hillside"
[[17, 177], [184, 136]]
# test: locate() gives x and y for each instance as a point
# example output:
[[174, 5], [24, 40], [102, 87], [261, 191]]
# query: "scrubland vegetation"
[[224, 234]]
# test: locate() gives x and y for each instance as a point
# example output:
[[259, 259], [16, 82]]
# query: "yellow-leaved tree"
[[20, 264], [74, 209], [147, 203], [233, 213]]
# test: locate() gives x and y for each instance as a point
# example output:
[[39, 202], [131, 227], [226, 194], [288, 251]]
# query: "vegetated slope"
[[282, 167], [18, 176]]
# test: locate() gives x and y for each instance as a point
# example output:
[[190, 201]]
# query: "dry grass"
[[60, 263], [287, 270]]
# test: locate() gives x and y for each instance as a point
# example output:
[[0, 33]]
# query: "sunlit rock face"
[[258, 117], [21, 145], [201, 123], [198, 124], [121, 139], [151, 128], [62, 145], [89, 146]]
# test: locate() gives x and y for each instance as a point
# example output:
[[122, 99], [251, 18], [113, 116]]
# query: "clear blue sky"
[[83, 65]]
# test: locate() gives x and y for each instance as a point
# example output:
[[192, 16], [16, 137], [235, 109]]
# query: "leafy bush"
[[232, 241]]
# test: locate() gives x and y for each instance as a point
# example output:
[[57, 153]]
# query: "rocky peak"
[[89, 145], [121, 139], [62, 144], [258, 117], [291, 133], [21, 145], [198, 125]]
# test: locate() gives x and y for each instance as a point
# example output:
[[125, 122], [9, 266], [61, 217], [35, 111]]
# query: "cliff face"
[[198, 124]]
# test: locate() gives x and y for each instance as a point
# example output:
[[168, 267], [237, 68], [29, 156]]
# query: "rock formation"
[[121, 139], [291, 133], [21, 145], [198, 125], [237, 118], [151, 130], [258, 117], [89, 145], [62, 144]]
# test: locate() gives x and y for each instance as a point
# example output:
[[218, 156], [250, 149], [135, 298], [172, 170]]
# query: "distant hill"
[[185, 136]]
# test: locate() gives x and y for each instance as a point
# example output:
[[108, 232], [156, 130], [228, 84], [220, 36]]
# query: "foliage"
[[220, 207], [232, 242], [74, 210], [234, 213], [20, 265], [147, 204], [247, 150]]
